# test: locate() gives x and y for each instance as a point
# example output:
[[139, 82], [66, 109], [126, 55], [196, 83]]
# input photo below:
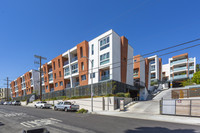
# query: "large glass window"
[[104, 43], [74, 68], [92, 49], [104, 58], [153, 68], [92, 75]]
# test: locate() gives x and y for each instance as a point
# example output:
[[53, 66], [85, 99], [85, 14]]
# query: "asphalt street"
[[15, 119]]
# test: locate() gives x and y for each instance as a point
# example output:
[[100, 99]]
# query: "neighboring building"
[[26, 84], [165, 75], [139, 76], [181, 67], [153, 70], [109, 55], [4, 94]]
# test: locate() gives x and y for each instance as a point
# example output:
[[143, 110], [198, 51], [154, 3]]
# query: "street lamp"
[[91, 83]]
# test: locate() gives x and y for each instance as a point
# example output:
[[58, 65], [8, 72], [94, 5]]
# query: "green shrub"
[[82, 111], [120, 94], [127, 95], [109, 95]]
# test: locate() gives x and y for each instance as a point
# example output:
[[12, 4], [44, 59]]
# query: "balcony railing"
[[105, 77], [67, 73], [179, 69], [191, 67], [52, 89], [74, 71], [179, 61], [50, 79], [135, 75], [74, 59], [66, 63], [191, 59], [180, 76], [191, 75]]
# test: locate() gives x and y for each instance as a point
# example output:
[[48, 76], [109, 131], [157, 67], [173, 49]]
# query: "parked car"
[[66, 106], [1, 103], [10, 103], [5, 103], [16, 103], [42, 105]]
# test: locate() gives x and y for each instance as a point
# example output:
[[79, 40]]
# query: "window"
[[82, 65], [83, 77], [54, 75], [81, 51], [54, 66], [59, 63], [47, 87], [104, 43], [153, 68], [135, 60], [92, 49], [67, 71], [56, 84], [92, 75], [74, 68], [92, 63], [135, 73], [104, 58], [61, 83], [152, 61], [60, 74]]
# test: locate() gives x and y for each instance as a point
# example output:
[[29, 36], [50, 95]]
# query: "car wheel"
[[66, 110], [35, 106], [41, 107], [55, 109]]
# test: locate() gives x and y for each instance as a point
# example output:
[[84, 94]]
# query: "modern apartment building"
[[153, 70], [179, 68], [4, 94], [26, 84], [108, 55]]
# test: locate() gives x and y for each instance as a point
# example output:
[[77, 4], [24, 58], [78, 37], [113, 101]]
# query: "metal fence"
[[99, 89], [186, 93], [185, 107]]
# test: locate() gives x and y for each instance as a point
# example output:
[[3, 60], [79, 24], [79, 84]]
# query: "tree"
[[196, 77], [197, 67], [187, 82]]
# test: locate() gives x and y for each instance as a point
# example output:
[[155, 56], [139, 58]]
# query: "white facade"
[[181, 68], [4, 93]]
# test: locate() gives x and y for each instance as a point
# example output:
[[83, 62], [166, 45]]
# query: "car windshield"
[[67, 103]]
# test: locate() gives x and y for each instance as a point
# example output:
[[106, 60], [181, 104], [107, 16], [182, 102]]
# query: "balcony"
[[52, 90], [135, 75], [105, 77], [74, 59], [66, 63], [50, 79], [191, 75], [179, 61], [180, 76], [192, 67], [67, 73], [74, 71], [179, 69], [191, 59]]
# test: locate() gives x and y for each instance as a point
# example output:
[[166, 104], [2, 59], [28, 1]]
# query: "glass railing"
[[179, 69], [50, 79], [178, 61], [152, 62], [180, 76], [105, 77], [135, 75], [52, 90], [66, 63], [191, 75], [74, 71], [31, 82], [67, 73], [191, 67], [191, 59], [74, 59]]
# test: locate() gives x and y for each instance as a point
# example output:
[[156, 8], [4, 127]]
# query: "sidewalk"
[[154, 117]]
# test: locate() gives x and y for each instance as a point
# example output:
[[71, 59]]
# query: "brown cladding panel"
[[160, 68], [46, 77], [84, 46], [57, 66], [124, 54], [177, 56], [19, 81], [146, 72], [28, 83]]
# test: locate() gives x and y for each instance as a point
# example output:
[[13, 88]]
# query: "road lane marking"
[[14, 114], [40, 122]]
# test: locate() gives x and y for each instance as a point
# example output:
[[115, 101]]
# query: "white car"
[[42, 105], [5, 103]]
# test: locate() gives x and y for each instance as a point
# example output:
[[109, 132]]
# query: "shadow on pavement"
[[1, 124], [158, 130]]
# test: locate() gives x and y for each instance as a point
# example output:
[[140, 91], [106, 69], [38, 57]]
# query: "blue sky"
[[50, 27]]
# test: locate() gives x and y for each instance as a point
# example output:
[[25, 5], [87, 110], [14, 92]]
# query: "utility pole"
[[7, 80], [40, 58]]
